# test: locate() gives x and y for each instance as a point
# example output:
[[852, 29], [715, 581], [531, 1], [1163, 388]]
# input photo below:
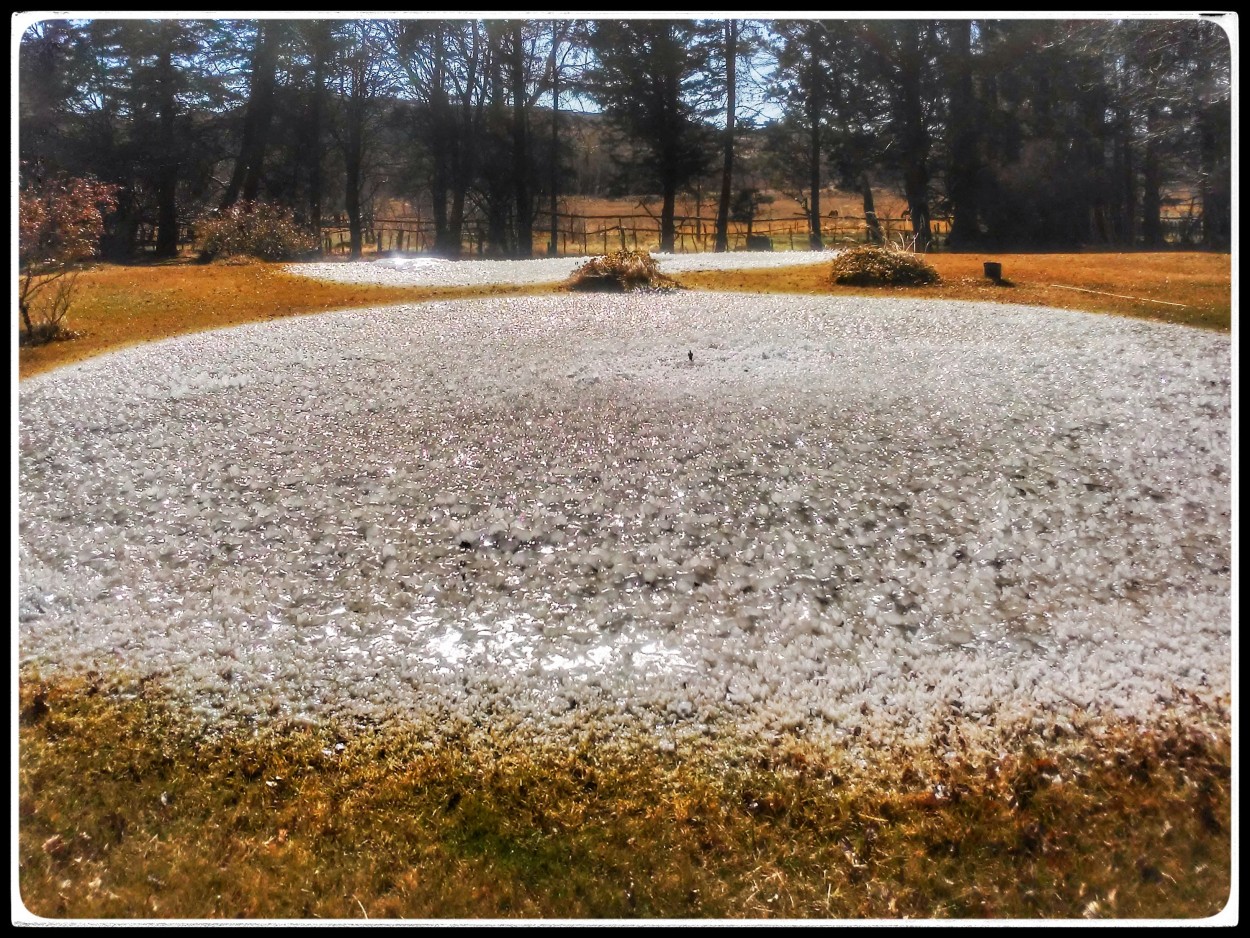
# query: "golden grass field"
[[127, 810], [887, 205], [121, 305], [1200, 282]]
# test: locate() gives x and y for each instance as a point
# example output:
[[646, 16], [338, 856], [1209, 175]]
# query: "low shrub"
[[60, 221], [255, 229], [44, 312], [872, 266], [620, 272]]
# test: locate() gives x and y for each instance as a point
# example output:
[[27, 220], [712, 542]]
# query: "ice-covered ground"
[[862, 520], [432, 272]]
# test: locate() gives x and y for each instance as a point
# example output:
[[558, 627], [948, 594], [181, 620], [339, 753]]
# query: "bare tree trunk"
[[245, 180], [963, 128], [816, 242], [1214, 179], [916, 189], [1207, 151], [455, 221], [440, 112], [314, 131], [553, 244], [167, 174], [438, 198], [231, 195], [354, 155], [914, 137], [672, 94], [1129, 185], [351, 195], [1102, 212], [121, 229], [667, 213], [464, 121], [461, 174], [167, 212], [727, 169], [264, 111], [26, 291], [1151, 202], [520, 150], [875, 235], [500, 185], [1214, 183]]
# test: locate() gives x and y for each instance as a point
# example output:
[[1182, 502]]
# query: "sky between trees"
[[1035, 133]]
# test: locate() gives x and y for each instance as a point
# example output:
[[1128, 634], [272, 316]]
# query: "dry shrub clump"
[[255, 229], [60, 220], [871, 266], [620, 272]]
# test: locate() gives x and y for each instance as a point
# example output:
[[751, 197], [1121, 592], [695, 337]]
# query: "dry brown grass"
[[783, 206], [126, 811], [1200, 281], [121, 305]]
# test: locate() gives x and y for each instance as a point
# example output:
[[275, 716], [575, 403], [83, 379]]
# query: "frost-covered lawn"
[[430, 271], [855, 521]]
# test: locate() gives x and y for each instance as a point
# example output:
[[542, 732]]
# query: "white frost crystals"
[[424, 271], [861, 520]]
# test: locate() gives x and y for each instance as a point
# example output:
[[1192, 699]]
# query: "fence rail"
[[598, 234], [584, 234]]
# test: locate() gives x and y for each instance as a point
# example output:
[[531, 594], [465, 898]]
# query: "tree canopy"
[[1019, 132]]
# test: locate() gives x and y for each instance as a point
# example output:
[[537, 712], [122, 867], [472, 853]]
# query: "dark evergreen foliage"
[[1047, 133]]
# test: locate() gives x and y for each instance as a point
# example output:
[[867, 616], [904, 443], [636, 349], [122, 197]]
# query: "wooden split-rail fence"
[[600, 234]]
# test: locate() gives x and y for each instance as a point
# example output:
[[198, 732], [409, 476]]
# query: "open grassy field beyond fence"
[[628, 231]]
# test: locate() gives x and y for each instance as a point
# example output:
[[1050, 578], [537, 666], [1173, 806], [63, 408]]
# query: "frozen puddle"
[[432, 272], [849, 519]]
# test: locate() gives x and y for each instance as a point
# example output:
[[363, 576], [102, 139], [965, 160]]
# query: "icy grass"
[[858, 524], [153, 502], [428, 271]]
